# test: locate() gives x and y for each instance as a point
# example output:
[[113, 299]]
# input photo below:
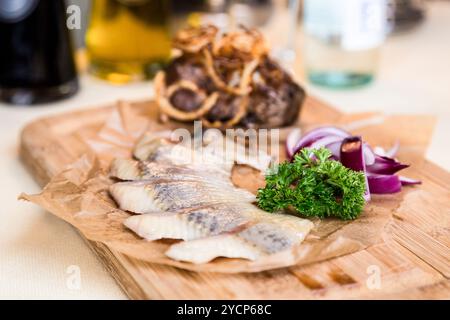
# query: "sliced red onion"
[[316, 134], [377, 164], [335, 149], [385, 165], [292, 140], [379, 151], [325, 142], [408, 181], [352, 156], [393, 151], [383, 183], [389, 153], [369, 155]]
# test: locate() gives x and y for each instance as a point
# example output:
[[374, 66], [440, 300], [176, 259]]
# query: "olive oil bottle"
[[128, 40]]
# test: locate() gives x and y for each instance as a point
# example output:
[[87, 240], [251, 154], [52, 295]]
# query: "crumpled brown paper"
[[79, 196]]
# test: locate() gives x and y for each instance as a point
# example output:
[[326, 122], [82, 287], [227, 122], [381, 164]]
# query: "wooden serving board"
[[412, 261]]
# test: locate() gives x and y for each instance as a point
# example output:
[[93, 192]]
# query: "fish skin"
[[132, 170], [215, 219], [204, 250], [134, 197], [220, 153], [149, 144], [269, 237], [260, 239], [188, 224], [156, 149], [237, 152], [126, 169], [148, 196]]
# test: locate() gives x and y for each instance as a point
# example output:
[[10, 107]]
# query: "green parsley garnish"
[[315, 186]]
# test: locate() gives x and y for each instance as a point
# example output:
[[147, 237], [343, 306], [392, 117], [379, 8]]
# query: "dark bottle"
[[36, 57]]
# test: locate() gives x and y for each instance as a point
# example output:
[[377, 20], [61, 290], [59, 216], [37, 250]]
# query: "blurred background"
[[330, 43], [386, 55], [333, 44], [358, 55]]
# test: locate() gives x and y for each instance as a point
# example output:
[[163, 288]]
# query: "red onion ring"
[[316, 134], [383, 183], [408, 181], [292, 140], [352, 156], [378, 165]]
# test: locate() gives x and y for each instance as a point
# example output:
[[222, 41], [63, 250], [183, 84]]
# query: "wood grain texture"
[[411, 262]]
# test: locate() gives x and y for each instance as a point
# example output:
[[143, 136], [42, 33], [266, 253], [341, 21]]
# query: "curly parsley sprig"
[[315, 186]]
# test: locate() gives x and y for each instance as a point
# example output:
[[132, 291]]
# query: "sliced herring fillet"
[[258, 240], [188, 224], [197, 203], [165, 195], [210, 220], [161, 150], [220, 152], [237, 152], [150, 143], [132, 170], [286, 221], [207, 249]]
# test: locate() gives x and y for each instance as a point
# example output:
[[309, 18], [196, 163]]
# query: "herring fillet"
[[165, 195], [214, 219], [188, 224], [251, 243], [197, 203], [156, 149], [207, 249], [132, 170], [213, 238], [219, 152]]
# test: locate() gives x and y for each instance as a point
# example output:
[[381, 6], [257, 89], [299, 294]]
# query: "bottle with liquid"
[[128, 40], [342, 41], [36, 58]]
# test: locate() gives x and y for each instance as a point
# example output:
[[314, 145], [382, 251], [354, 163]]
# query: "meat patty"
[[225, 109], [274, 101], [189, 68], [186, 100]]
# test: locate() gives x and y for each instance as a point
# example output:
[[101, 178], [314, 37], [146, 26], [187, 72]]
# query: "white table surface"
[[37, 250]]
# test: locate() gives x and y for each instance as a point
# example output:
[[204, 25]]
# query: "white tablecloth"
[[40, 255]]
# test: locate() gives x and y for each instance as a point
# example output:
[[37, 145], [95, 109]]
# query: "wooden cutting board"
[[412, 261]]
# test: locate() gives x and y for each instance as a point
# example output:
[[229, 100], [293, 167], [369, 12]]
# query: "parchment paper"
[[79, 196]]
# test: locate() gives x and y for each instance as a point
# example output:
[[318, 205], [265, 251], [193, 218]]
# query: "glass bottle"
[[342, 41], [128, 40], [36, 58]]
